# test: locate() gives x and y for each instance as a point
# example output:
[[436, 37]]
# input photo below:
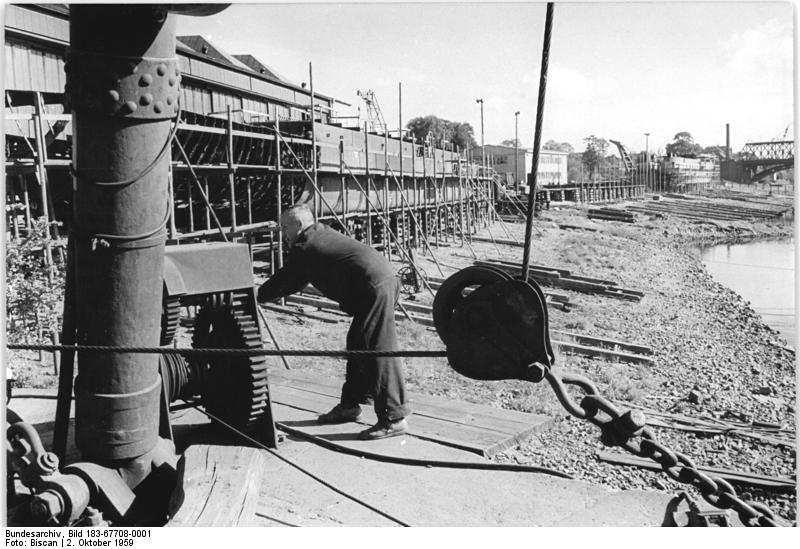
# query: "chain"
[[629, 430], [356, 353]]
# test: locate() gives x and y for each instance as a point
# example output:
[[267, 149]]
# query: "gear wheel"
[[234, 388], [170, 318]]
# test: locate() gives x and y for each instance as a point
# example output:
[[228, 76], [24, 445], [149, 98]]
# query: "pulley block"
[[455, 289], [499, 330]]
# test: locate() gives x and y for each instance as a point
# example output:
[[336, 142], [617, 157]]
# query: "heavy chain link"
[[628, 429]]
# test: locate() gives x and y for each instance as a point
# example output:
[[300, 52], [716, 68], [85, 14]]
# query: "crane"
[[374, 114]]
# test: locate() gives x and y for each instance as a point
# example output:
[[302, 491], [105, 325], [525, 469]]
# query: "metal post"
[[249, 200], [230, 170], [191, 207], [415, 205], [516, 152], [316, 203], [171, 189], [368, 176], [120, 247], [402, 185], [208, 206], [341, 178], [278, 195], [647, 158], [386, 243]]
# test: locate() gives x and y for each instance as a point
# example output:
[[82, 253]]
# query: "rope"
[[303, 470], [229, 352], [548, 27]]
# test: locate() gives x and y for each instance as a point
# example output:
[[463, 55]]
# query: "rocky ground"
[[708, 343]]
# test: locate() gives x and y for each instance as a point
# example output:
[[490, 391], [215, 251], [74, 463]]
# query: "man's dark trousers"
[[380, 377]]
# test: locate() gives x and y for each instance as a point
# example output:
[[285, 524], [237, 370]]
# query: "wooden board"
[[217, 486], [476, 428]]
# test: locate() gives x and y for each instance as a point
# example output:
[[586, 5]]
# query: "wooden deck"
[[480, 429]]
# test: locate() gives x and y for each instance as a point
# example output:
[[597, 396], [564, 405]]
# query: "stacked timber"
[[562, 278], [564, 342], [717, 209], [611, 214]]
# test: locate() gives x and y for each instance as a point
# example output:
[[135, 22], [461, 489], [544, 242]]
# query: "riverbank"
[[714, 358]]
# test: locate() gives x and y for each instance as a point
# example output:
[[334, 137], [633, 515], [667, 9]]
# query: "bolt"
[[114, 95], [158, 107], [46, 506], [47, 462], [633, 420], [132, 106], [146, 80], [161, 69], [146, 99]]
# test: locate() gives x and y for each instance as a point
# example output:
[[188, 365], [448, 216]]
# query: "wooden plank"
[[444, 424], [594, 352], [603, 342], [464, 413], [217, 486], [750, 479]]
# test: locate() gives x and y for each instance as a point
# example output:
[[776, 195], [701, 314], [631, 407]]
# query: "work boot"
[[340, 414], [384, 429]]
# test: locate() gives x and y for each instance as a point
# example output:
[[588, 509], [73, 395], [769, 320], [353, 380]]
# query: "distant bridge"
[[759, 160]]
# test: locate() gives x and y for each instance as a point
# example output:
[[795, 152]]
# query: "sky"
[[616, 70]]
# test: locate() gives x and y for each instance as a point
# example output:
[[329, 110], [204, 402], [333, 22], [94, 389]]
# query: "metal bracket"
[[115, 85]]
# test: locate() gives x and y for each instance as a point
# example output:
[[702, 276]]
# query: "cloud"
[[764, 51]]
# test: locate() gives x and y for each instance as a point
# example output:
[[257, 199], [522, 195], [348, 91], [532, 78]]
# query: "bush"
[[34, 296]]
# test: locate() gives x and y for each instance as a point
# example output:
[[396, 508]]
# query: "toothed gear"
[[170, 318], [234, 387]]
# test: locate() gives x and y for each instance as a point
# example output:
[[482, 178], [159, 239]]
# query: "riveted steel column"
[[123, 83]]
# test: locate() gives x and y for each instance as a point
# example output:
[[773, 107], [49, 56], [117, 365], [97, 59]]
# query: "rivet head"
[[171, 80], [146, 99], [169, 100], [146, 80], [158, 107], [132, 106], [113, 95], [161, 69]]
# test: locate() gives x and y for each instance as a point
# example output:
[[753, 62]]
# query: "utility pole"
[[516, 151], [647, 159]]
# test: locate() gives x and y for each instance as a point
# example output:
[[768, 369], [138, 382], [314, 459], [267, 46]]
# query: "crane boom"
[[374, 114]]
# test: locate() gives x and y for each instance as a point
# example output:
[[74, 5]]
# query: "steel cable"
[[189, 352], [548, 27]]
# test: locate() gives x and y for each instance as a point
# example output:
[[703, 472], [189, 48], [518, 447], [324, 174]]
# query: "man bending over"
[[365, 286]]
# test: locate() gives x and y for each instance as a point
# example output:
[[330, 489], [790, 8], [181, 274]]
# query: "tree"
[[438, 130], [683, 145], [594, 154], [511, 143], [553, 145], [715, 150]]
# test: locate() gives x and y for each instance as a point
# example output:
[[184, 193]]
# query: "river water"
[[762, 272]]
